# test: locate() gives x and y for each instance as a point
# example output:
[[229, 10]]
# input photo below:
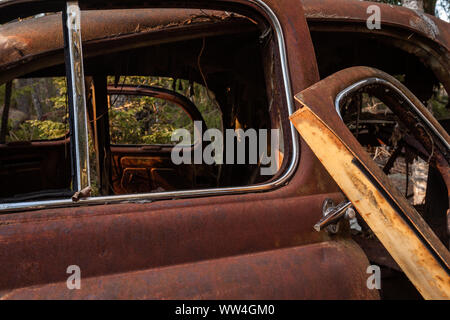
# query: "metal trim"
[[375, 80], [147, 197], [77, 91]]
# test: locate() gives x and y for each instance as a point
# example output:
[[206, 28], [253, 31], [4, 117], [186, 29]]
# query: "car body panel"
[[179, 238], [230, 246], [396, 223], [289, 273], [348, 12]]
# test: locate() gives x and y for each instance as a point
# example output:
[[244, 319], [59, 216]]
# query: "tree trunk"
[[35, 98], [429, 6], [22, 101]]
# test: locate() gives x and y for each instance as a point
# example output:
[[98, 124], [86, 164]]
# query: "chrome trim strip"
[[374, 80], [77, 89], [147, 197]]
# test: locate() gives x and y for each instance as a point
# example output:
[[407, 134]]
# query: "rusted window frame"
[[81, 143], [390, 86], [76, 95]]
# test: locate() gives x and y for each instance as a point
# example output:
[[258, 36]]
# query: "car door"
[[395, 222], [33, 147], [247, 242]]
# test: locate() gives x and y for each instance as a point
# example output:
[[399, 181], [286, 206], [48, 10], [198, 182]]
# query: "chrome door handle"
[[332, 214]]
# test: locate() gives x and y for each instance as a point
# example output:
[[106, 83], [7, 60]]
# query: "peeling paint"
[[425, 24]]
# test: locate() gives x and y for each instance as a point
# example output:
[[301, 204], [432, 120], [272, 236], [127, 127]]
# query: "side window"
[[148, 110], [34, 153], [391, 130], [38, 110], [382, 134], [120, 132], [142, 120], [232, 99], [164, 97], [145, 114]]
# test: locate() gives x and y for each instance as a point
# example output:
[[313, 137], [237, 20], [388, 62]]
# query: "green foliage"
[[2, 95], [133, 119], [204, 100], [59, 101], [147, 120], [37, 130], [51, 93], [124, 127], [160, 136], [438, 103]]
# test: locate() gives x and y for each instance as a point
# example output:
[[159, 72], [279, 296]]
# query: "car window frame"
[[80, 155]]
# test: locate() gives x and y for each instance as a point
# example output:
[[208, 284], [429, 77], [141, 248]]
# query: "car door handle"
[[333, 214]]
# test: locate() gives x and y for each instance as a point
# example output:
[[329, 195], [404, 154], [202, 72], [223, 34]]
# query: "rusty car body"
[[234, 235]]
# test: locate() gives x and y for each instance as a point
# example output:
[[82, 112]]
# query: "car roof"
[[29, 38], [34, 38], [354, 11]]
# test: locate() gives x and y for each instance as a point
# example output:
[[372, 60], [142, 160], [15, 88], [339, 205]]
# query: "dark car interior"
[[229, 55]]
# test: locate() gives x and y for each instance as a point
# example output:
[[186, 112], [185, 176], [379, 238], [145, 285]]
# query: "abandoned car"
[[98, 96]]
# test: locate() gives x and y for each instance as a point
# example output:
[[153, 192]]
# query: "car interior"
[[208, 66]]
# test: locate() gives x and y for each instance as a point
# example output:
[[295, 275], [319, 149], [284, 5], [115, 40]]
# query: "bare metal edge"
[[374, 80], [147, 197]]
